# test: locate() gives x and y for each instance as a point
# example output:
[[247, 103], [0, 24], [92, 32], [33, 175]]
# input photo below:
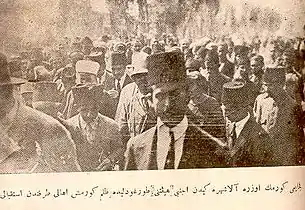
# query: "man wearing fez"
[[87, 45], [97, 137], [206, 108], [31, 141], [134, 113], [213, 76], [114, 81], [257, 71], [242, 73], [175, 142], [279, 114], [247, 143], [86, 73], [226, 67]]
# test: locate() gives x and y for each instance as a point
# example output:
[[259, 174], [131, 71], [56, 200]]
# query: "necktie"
[[90, 133], [118, 86], [233, 136], [170, 159]]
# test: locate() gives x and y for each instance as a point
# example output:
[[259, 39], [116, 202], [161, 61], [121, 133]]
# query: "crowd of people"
[[101, 105]]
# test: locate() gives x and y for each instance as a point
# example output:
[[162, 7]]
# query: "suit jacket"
[[109, 106], [280, 121], [209, 113], [36, 142], [132, 116], [108, 142], [199, 150], [253, 147]]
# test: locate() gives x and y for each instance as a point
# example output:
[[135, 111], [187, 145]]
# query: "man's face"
[[272, 52], [84, 78], [256, 66], [170, 103], [241, 72], [185, 46], [28, 99], [211, 67], [234, 113], [141, 81], [118, 71], [222, 51], [89, 112], [287, 61], [137, 47]]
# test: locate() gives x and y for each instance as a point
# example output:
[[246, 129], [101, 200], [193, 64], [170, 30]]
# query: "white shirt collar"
[[84, 124], [241, 124], [122, 80], [179, 130], [163, 142]]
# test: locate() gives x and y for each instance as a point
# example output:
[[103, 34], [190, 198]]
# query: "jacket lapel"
[[243, 137]]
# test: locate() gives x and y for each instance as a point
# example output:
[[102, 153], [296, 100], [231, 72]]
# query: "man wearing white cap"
[[134, 113], [86, 73]]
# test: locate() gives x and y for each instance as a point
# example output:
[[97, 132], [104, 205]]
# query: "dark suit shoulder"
[[199, 133]]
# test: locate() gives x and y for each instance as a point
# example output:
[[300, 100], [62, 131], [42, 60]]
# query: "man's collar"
[[84, 124], [178, 130], [241, 124]]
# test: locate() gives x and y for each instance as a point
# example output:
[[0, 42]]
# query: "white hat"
[[87, 66], [139, 65]]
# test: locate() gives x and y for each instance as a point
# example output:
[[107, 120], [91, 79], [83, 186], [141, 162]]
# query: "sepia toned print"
[[150, 85]]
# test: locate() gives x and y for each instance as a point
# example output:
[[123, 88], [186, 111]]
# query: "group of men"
[[168, 104]]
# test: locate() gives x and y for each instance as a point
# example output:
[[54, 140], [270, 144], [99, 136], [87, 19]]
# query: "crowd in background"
[[112, 98]]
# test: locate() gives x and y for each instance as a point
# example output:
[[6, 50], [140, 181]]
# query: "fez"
[[87, 41], [88, 94], [241, 50], [235, 94], [192, 64], [46, 91], [168, 67], [87, 66], [5, 77], [274, 75], [212, 57], [118, 59]]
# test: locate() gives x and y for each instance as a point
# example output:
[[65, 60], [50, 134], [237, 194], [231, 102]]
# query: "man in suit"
[[214, 78], [114, 80], [31, 141], [247, 143], [279, 116], [86, 73], [97, 137], [175, 142], [226, 67], [242, 73], [134, 113]]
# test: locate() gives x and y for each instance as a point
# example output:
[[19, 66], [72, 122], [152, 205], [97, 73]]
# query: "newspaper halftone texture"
[[151, 85]]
